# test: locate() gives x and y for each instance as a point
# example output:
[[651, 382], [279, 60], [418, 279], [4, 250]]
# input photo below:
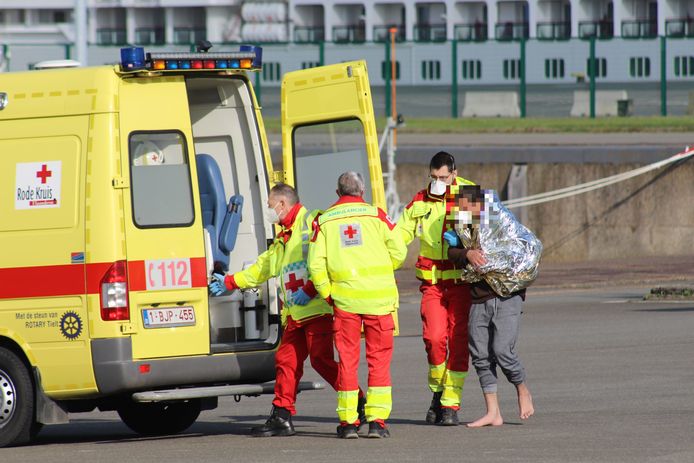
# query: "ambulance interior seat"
[[220, 219]]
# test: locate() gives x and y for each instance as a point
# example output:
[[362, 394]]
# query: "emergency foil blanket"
[[512, 251]]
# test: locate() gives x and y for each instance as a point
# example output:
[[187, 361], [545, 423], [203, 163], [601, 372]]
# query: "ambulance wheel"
[[156, 419], [17, 396]]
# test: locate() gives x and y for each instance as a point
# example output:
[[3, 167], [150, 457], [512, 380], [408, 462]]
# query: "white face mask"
[[464, 218], [437, 187], [271, 215]]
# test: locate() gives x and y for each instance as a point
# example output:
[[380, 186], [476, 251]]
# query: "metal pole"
[[386, 75], [592, 70], [81, 31], [454, 79], [321, 53], [663, 76], [522, 77], [257, 86], [5, 62], [393, 76]]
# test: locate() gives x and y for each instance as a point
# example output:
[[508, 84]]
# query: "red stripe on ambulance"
[[73, 279]]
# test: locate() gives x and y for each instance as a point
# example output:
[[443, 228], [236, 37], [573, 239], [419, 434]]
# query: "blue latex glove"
[[452, 239], [217, 286], [300, 298]]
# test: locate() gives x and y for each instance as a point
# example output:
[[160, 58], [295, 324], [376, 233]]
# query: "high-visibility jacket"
[[286, 258], [353, 253], [425, 218]]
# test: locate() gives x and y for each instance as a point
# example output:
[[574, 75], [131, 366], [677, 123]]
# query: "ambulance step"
[[217, 391]]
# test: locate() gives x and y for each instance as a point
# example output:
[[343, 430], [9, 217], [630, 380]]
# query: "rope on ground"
[[595, 184]]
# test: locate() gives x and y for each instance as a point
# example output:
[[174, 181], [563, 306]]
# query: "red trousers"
[[378, 334], [444, 311], [312, 338]]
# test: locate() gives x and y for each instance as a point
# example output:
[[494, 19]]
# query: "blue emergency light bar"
[[249, 58]]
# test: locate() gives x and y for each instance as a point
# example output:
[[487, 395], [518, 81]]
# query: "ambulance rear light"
[[135, 59], [114, 293]]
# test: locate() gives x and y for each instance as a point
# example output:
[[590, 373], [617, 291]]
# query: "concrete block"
[[491, 104], [605, 102], [690, 105]]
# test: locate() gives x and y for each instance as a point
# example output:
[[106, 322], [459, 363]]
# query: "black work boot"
[[361, 411], [449, 417], [434, 412], [378, 430], [279, 424], [347, 431]]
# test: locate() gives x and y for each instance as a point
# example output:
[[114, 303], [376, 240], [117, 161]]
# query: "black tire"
[[36, 428], [17, 396], [156, 419]]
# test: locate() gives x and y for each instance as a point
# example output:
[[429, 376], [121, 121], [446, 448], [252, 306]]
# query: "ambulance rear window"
[[160, 180]]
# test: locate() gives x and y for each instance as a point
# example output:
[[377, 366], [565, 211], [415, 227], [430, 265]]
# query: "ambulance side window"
[[321, 153], [161, 190]]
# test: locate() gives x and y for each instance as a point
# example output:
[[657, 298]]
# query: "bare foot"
[[525, 403], [490, 419]]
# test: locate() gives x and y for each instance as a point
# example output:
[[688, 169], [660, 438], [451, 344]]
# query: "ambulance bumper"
[[116, 372]]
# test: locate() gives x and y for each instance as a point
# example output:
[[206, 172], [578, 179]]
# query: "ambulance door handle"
[[120, 183], [128, 328]]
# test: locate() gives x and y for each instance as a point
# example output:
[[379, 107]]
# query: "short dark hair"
[[282, 189], [473, 193], [441, 159]]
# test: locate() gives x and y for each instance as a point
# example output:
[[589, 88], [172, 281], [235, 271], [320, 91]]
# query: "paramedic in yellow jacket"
[[308, 319], [352, 256], [445, 298]]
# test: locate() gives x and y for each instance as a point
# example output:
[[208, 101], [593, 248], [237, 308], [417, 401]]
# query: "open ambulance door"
[[328, 128]]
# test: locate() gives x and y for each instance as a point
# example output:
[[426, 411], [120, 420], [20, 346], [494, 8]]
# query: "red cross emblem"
[[293, 284], [44, 173], [350, 232]]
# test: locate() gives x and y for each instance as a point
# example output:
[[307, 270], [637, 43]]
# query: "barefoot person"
[[500, 258]]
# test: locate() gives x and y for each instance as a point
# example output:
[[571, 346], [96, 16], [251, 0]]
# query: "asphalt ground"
[[610, 375]]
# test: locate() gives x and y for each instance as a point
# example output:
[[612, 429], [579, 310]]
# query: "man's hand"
[[476, 258], [217, 286], [451, 238], [300, 297]]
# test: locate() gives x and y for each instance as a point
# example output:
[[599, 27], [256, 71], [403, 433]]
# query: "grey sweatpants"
[[493, 329]]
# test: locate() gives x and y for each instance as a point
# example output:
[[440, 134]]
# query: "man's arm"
[[265, 267], [317, 262], [393, 239], [461, 256], [407, 224]]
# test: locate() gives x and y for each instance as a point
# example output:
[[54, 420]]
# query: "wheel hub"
[[7, 399]]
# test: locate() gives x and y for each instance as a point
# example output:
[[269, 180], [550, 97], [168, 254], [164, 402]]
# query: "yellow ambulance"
[[122, 188]]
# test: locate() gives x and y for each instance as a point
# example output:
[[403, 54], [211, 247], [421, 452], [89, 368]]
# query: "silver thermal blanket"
[[512, 251]]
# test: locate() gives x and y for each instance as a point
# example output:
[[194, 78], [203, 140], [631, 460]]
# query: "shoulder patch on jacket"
[[384, 217], [315, 225], [420, 196]]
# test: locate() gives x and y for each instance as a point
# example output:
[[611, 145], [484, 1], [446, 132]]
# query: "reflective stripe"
[[361, 272], [436, 374], [436, 275], [305, 237], [453, 388], [347, 406], [379, 403], [341, 291]]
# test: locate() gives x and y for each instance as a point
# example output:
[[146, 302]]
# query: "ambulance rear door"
[[328, 128], [164, 244]]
